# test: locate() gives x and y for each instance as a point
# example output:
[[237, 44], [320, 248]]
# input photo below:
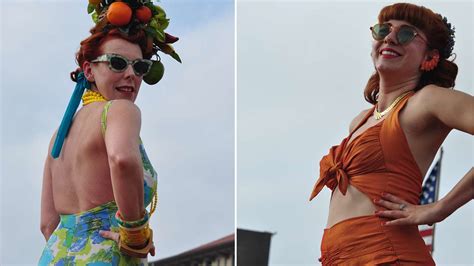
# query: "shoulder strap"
[[103, 119], [400, 105]]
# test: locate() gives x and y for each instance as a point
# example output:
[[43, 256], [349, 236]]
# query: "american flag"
[[429, 194]]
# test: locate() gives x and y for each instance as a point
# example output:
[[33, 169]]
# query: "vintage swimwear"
[[376, 161], [76, 241]]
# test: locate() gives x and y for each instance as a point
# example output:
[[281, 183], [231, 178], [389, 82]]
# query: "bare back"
[[81, 174]]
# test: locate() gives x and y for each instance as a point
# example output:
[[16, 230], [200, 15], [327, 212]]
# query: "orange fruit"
[[94, 2], [143, 14], [119, 14]]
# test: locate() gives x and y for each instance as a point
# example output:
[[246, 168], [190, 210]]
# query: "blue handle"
[[82, 83]]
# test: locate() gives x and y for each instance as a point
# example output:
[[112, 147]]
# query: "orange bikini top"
[[376, 161]]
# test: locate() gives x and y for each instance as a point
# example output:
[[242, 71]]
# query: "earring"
[[430, 64]]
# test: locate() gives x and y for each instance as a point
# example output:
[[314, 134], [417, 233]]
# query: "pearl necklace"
[[91, 96], [378, 115]]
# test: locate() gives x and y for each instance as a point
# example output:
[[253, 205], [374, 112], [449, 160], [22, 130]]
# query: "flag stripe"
[[428, 232], [429, 195]]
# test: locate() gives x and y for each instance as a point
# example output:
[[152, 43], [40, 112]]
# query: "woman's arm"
[[454, 109], [49, 216], [462, 193], [126, 170]]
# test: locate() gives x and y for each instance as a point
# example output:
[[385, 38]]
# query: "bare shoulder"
[[433, 95], [357, 119], [443, 106], [124, 116], [124, 107]]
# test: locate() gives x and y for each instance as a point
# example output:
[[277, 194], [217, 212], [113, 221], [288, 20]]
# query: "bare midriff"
[[353, 204]]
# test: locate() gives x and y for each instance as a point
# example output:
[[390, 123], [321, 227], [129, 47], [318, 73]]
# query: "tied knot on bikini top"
[[332, 173], [375, 161]]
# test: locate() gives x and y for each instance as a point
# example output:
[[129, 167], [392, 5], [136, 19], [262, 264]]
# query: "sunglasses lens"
[[405, 34], [380, 31], [141, 67], [118, 64]]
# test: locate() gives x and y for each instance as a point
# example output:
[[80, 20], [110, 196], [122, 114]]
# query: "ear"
[[431, 53], [87, 68]]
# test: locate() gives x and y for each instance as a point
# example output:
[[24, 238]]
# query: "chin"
[[385, 68], [131, 96]]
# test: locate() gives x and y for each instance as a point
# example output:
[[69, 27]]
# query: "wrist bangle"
[[137, 252], [132, 224]]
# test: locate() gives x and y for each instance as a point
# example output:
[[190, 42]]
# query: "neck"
[[390, 89]]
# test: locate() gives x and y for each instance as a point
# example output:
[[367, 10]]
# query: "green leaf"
[[160, 16], [160, 11], [160, 35], [95, 17], [164, 24], [90, 8], [154, 23], [151, 31], [176, 56]]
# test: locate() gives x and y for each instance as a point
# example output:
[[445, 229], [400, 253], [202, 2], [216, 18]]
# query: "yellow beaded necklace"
[[91, 96]]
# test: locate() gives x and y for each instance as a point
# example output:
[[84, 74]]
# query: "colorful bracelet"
[[140, 252], [136, 237], [132, 224]]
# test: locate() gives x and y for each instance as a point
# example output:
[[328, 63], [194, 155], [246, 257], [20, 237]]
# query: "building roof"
[[211, 245], [221, 246]]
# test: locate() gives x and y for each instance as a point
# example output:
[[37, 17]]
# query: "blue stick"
[[82, 84]]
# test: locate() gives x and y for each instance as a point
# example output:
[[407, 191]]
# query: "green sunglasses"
[[118, 63], [405, 33]]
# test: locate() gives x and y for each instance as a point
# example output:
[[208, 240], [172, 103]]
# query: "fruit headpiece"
[[133, 15], [129, 16]]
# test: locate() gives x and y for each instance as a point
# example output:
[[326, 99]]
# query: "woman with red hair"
[[376, 173], [97, 178]]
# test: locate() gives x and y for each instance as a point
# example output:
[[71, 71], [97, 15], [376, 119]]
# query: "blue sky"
[[187, 120]]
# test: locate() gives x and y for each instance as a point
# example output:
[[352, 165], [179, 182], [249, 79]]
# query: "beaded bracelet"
[[132, 224], [136, 251], [136, 237]]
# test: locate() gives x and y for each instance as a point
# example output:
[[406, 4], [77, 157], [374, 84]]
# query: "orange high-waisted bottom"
[[365, 241]]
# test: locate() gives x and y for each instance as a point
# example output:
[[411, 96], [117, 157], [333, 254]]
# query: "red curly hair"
[[91, 46], [438, 34]]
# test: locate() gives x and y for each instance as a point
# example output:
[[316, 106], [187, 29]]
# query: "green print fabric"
[[77, 241]]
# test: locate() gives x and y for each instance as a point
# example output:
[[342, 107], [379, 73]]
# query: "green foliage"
[[95, 17], [90, 8], [176, 57]]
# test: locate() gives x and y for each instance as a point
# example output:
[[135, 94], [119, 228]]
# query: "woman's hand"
[[116, 236], [404, 213]]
